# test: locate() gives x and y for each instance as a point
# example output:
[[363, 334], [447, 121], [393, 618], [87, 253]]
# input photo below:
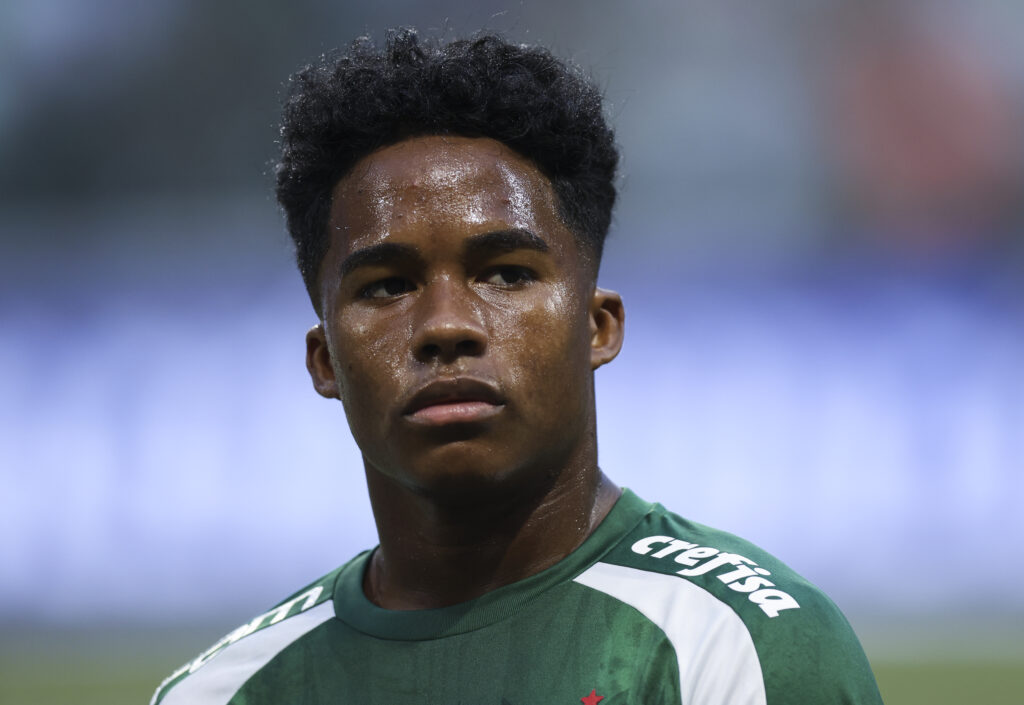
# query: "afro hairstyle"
[[355, 102]]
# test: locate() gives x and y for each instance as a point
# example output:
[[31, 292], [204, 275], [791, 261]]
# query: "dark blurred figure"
[[922, 133]]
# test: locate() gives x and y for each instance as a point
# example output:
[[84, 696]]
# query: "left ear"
[[318, 362], [607, 326]]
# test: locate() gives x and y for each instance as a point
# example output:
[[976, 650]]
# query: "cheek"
[[367, 357], [568, 324], [552, 344]]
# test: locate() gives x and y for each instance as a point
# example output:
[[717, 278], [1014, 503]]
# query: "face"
[[461, 325]]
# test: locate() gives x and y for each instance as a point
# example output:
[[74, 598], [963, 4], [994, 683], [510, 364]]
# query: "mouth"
[[453, 401]]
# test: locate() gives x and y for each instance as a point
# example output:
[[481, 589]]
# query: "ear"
[[318, 362], [607, 326]]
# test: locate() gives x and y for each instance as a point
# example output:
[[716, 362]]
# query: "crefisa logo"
[[743, 574]]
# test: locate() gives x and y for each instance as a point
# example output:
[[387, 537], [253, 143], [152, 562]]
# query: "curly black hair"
[[353, 103]]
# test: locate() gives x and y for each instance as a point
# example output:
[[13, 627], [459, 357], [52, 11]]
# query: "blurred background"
[[819, 242]]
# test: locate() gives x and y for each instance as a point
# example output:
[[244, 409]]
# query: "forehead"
[[438, 182]]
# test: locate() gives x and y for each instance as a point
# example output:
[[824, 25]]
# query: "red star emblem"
[[592, 699]]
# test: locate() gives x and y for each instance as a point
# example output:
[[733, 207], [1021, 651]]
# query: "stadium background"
[[818, 241]]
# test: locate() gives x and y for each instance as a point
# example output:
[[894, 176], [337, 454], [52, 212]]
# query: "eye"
[[385, 288], [509, 276]]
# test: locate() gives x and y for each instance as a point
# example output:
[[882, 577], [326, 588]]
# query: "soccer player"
[[448, 205]]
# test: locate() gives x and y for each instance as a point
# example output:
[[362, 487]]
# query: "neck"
[[435, 553]]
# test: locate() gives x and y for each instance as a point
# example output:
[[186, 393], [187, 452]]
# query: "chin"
[[479, 485]]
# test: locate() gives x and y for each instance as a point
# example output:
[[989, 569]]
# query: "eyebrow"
[[379, 254], [503, 241], [475, 246]]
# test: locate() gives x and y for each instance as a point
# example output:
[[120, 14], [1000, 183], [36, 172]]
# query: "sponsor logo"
[[303, 602], [740, 574], [288, 609]]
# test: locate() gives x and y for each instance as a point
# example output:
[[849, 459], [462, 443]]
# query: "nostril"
[[431, 350], [449, 350], [468, 347]]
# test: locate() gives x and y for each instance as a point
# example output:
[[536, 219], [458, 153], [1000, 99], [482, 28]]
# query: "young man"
[[449, 206]]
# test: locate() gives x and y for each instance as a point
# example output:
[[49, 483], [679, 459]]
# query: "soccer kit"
[[651, 609]]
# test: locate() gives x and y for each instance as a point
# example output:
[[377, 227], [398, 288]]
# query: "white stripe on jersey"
[[217, 681], [717, 660]]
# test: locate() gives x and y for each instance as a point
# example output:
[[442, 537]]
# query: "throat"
[[432, 557]]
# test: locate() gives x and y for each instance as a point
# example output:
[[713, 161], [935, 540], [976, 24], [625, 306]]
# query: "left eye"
[[509, 276], [386, 288]]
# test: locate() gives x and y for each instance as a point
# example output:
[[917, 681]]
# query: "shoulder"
[[729, 606], [219, 670]]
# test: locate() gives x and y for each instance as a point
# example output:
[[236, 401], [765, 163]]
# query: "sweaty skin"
[[461, 327]]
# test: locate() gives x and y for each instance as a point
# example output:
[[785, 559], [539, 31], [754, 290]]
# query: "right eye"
[[385, 288]]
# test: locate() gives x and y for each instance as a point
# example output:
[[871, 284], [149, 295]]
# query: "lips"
[[457, 400]]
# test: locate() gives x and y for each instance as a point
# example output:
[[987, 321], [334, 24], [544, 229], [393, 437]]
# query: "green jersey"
[[651, 609]]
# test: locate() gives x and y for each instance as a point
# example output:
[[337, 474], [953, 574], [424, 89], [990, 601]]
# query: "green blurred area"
[[89, 667], [951, 682]]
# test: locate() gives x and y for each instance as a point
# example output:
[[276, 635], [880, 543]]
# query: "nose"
[[448, 323]]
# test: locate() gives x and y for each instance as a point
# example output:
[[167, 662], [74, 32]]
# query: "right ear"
[[318, 362]]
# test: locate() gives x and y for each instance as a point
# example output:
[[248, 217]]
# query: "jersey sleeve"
[[213, 676], [813, 656], [805, 651]]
